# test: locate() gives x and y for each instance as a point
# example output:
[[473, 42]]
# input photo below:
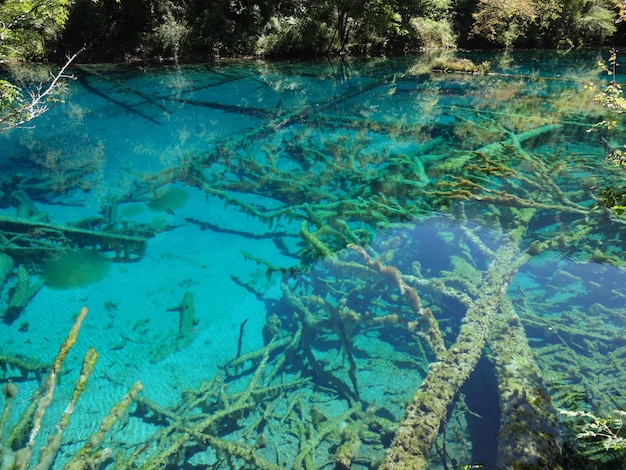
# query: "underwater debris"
[[27, 237], [18, 444], [186, 315], [186, 332], [20, 294]]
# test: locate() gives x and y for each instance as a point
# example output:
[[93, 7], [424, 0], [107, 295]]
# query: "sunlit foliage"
[[25, 25], [503, 22]]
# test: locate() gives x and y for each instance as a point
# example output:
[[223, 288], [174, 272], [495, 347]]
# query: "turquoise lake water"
[[283, 254]]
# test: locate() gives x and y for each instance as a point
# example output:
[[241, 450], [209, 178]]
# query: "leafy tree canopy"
[[26, 26]]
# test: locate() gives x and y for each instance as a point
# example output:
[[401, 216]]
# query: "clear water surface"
[[283, 254]]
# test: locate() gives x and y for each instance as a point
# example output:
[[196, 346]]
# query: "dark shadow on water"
[[481, 398]]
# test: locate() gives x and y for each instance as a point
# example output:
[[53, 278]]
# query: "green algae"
[[132, 210], [169, 200], [75, 268]]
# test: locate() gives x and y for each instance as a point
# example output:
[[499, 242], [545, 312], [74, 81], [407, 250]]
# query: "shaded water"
[[284, 253]]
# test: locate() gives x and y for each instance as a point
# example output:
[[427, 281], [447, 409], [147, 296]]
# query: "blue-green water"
[[336, 230]]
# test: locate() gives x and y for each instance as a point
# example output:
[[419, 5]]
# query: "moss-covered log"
[[529, 436], [424, 415], [23, 235]]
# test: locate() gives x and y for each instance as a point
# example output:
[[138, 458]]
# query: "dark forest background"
[[193, 30]]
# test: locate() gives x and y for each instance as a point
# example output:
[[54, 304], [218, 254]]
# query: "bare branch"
[[38, 102]]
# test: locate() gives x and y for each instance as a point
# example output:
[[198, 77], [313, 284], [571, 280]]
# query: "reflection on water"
[[351, 265]]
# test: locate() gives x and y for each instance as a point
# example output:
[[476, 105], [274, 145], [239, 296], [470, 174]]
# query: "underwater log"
[[428, 409], [32, 417], [6, 266], [24, 365], [33, 233], [48, 454], [187, 313], [20, 295], [529, 434], [186, 329], [93, 453]]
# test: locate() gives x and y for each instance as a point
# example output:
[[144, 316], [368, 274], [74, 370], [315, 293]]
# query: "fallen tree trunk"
[[529, 435], [428, 409], [21, 235]]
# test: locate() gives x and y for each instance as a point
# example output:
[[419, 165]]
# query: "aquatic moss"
[[75, 268], [169, 200], [132, 210], [459, 65]]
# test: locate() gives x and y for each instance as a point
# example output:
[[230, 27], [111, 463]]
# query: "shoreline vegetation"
[[116, 31], [164, 32]]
